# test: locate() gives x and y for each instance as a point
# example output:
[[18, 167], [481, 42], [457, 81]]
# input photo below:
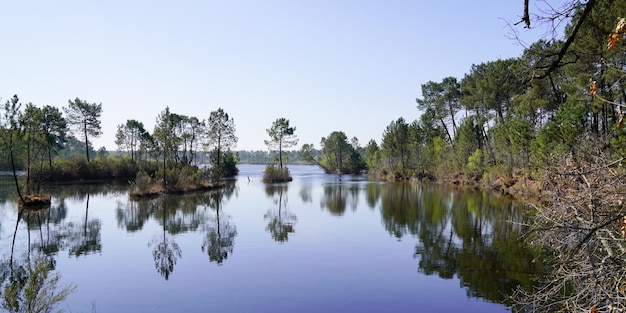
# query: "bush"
[[110, 168], [143, 182], [230, 165], [188, 177], [474, 168], [213, 174], [274, 174]]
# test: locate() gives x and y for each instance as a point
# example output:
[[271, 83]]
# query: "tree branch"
[[568, 42]]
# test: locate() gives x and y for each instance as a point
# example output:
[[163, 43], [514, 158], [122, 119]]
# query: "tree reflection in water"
[[281, 221], [85, 239], [166, 251], [132, 215], [27, 283], [180, 214], [337, 197], [52, 239], [473, 236], [220, 233]]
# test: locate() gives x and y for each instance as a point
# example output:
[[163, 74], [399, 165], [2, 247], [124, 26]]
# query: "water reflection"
[[85, 238], [281, 220], [50, 238], [132, 215], [178, 214], [337, 197], [43, 239], [443, 233], [166, 251], [24, 276], [473, 236], [220, 231]]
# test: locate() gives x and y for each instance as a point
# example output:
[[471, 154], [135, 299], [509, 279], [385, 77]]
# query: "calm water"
[[321, 243]]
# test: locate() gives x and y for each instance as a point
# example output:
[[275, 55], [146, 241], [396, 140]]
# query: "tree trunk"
[[17, 185], [86, 141], [50, 157], [445, 128], [280, 154], [28, 161], [452, 117]]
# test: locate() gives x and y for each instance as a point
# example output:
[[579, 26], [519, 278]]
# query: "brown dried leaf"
[[616, 35], [592, 87], [613, 40]]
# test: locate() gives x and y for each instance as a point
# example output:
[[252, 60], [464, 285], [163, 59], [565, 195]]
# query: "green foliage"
[[55, 130], [85, 118], [188, 176], [308, 154], [221, 135], [282, 136], [274, 174], [164, 135], [143, 182], [618, 142], [230, 164], [559, 136], [442, 99], [339, 156], [213, 174], [132, 138], [440, 148], [545, 146], [395, 146], [12, 133], [511, 141], [372, 155], [569, 119], [468, 139], [77, 169], [169, 177], [35, 293], [474, 168]]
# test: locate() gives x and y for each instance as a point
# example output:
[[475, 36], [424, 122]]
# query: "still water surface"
[[321, 243]]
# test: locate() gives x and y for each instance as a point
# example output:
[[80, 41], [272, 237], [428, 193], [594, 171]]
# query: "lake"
[[321, 243]]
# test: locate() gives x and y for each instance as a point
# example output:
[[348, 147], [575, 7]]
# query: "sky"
[[326, 65]]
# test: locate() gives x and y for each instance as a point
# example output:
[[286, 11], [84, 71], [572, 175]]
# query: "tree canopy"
[[282, 136], [85, 118]]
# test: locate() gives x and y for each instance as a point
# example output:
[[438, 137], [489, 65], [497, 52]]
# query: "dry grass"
[[34, 202], [156, 190]]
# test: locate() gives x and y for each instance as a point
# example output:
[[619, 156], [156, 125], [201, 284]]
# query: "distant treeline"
[[266, 157], [74, 150]]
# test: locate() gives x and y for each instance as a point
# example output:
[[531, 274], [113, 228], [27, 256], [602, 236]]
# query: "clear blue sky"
[[326, 65]]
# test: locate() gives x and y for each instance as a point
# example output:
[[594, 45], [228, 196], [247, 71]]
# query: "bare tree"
[[552, 17], [581, 224]]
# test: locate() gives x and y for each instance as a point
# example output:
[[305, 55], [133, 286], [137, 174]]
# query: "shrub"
[[143, 182], [474, 168], [188, 177], [110, 168], [213, 174], [274, 174]]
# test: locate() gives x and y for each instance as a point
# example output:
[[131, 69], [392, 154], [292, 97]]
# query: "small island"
[[281, 137]]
